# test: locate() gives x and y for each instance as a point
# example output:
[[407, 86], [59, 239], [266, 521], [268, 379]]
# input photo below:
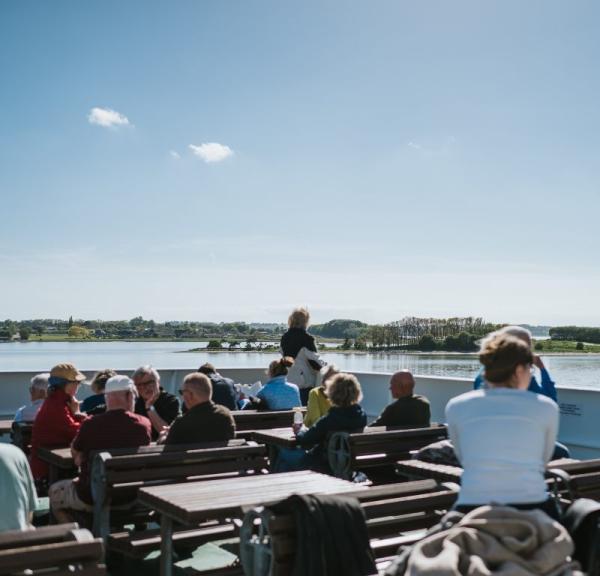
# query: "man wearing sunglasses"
[[160, 407]]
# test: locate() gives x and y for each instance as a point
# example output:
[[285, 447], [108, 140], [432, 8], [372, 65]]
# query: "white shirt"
[[503, 438], [28, 413]]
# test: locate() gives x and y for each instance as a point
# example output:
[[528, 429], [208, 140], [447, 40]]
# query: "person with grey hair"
[[153, 402], [38, 390], [546, 386], [204, 420]]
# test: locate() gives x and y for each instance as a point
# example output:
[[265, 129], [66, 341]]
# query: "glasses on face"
[[182, 391], [146, 383]]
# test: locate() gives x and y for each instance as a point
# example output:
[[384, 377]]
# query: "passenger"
[[223, 389], [96, 404], [409, 410], [503, 436], [546, 386], [293, 341], [59, 418], [38, 390], [278, 393], [18, 498], [318, 404], [118, 427], [345, 415], [160, 407], [204, 420]]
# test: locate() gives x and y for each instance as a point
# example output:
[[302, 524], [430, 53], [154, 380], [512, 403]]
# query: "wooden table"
[[59, 460], [5, 427], [196, 502], [275, 439]]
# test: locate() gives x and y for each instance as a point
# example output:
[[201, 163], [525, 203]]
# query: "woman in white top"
[[504, 435]]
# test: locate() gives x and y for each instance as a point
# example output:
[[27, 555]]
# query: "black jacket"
[[206, 422], [294, 340], [166, 406], [407, 412], [223, 391]]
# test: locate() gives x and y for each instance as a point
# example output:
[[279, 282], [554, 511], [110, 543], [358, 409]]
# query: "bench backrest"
[[348, 452], [415, 505], [21, 435], [259, 420], [118, 474], [63, 549]]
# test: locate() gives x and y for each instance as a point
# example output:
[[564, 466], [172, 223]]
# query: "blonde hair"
[[343, 390], [326, 373], [299, 318], [500, 355]]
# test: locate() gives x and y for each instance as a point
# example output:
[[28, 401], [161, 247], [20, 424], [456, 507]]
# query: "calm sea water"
[[577, 370]]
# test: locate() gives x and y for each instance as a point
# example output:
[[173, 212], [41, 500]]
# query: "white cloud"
[[212, 151], [174, 155], [107, 118], [415, 145]]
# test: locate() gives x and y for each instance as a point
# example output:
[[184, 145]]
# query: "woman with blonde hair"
[[318, 402], [504, 435]]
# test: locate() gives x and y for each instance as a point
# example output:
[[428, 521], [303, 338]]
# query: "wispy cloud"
[[174, 155], [211, 151], [107, 118], [415, 146]]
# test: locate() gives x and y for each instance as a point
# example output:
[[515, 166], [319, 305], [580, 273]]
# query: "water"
[[581, 370]]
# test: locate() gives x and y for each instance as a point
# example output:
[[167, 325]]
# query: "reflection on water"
[[580, 370]]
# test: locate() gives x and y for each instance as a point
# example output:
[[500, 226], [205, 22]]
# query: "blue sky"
[[369, 159]]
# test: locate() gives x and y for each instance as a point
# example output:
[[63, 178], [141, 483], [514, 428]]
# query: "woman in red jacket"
[[59, 418]]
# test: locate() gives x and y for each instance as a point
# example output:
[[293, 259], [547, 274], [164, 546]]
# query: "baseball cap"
[[67, 371], [119, 384]]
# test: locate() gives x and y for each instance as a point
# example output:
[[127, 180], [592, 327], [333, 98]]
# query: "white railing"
[[580, 407]]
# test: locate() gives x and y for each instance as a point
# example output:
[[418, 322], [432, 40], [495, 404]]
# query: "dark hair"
[[207, 368], [501, 354], [100, 378], [280, 367]]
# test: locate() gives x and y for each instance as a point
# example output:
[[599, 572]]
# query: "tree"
[[427, 342], [70, 321], [24, 333], [214, 345], [78, 332], [579, 346]]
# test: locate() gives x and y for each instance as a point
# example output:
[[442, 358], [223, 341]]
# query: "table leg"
[[166, 546]]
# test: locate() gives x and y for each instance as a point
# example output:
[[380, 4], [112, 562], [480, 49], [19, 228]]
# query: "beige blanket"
[[496, 540]]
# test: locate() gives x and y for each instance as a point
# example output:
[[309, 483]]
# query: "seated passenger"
[[503, 435], [223, 389], [278, 393], [18, 498], [409, 410], [546, 386], [345, 415], [96, 404], [204, 420], [160, 407], [59, 418], [318, 403], [118, 427], [38, 390]]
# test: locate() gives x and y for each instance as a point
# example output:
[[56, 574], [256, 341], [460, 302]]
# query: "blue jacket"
[[546, 388], [279, 394]]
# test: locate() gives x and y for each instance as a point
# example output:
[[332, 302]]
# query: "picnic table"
[[195, 502], [5, 427], [60, 462]]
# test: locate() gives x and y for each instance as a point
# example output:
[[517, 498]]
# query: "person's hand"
[[296, 428], [162, 437], [537, 361], [73, 405], [152, 400]]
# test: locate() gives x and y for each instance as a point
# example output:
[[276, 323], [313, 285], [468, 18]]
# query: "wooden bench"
[[119, 474], [56, 550], [351, 452], [248, 420], [575, 479], [267, 540], [20, 435]]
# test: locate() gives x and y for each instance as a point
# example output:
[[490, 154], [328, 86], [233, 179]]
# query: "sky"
[[229, 160]]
